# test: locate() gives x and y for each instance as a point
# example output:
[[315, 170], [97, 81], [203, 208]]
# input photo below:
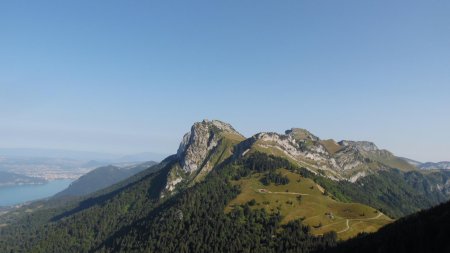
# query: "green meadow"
[[303, 199]]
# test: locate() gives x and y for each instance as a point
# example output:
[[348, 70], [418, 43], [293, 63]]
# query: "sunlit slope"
[[303, 199]]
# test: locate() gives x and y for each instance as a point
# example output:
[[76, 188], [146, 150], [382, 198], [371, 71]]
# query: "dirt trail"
[[348, 220], [289, 193]]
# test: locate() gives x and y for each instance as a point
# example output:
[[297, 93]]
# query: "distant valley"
[[61, 164], [45, 168], [29, 177]]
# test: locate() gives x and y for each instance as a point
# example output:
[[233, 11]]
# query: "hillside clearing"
[[303, 199]]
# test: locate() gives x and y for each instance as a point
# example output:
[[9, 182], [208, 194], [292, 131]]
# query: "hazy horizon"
[[121, 77], [77, 154]]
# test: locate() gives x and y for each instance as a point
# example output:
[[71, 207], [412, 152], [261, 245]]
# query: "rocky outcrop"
[[196, 144], [301, 134], [344, 160], [196, 151], [365, 146]]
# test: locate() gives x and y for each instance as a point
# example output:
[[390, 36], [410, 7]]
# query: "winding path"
[[348, 220]]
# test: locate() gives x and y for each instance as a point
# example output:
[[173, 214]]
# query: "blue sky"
[[132, 76]]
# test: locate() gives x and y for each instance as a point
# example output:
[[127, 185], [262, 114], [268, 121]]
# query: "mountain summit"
[[201, 149], [204, 137]]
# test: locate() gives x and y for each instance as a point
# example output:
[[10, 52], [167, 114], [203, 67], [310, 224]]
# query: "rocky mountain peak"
[[203, 137], [301, 134], [220, 125]]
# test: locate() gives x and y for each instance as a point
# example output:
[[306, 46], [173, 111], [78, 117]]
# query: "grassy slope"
[[312, 207], [392, 191]]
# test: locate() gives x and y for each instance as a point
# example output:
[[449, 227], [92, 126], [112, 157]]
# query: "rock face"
[[301, 134], [197, 150], [203, 137]]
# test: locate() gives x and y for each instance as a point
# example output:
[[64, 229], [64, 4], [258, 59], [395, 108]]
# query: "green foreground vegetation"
[[258, 203]]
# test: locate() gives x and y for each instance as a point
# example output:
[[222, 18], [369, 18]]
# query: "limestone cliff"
[[206, 145]]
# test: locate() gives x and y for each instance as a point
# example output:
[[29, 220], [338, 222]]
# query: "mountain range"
[[444, 165], [223, 192]]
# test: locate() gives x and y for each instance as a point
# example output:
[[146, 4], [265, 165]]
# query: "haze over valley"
[[31, 174]]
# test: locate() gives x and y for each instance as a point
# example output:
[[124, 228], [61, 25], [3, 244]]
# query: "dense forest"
[[72, 225]]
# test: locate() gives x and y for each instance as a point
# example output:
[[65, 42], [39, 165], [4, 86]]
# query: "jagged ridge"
[[212, 142]]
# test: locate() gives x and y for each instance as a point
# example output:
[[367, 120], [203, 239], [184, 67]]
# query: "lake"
[[12, 195]]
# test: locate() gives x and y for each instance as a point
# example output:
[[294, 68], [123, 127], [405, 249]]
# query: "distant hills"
[[101, 178], [435, 166], [429, 165]]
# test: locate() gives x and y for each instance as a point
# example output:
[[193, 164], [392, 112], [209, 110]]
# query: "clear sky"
[[132, 76]]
